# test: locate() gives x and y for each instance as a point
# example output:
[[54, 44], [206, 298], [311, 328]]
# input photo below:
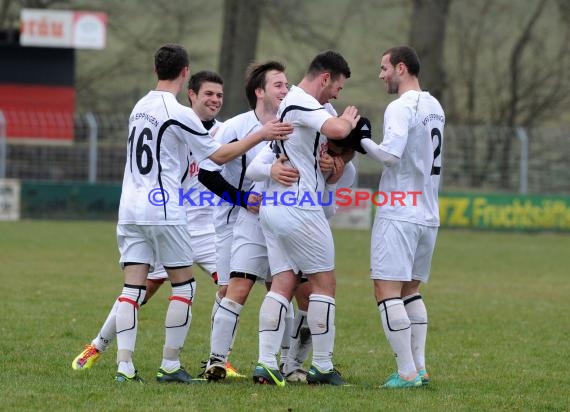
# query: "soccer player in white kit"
[[300, 342], [205, 94], [403, 236], [266, 86], [341, 174], [297, 233], [152, 224]]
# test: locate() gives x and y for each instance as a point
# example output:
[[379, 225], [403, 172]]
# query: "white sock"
[[215, 306], [177, 323], [233, 339], [306, 341], [127, 318], [417, 313], [126, 368], [321, 317], [126, 326], [271, 326], [224, 328], [108, 330], [396, 326], [300, 343], [286, 340]]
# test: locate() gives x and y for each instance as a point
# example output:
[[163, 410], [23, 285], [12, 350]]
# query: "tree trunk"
[[523, 42], [239, 44], [427, 36]]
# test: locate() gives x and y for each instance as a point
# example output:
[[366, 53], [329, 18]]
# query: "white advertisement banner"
[[9, 199], [63, 28]]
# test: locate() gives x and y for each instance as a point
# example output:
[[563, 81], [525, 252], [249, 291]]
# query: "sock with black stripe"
[[416, 310], [224, 328], [271, 326], [126, 326], [177, 323], [321, 320], [396, 325]]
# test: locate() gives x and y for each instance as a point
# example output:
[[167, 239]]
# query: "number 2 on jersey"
[[142, 148], [436, 170]]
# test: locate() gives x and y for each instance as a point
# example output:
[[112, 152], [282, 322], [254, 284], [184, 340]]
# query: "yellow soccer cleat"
[[232, 372], [86, 359]]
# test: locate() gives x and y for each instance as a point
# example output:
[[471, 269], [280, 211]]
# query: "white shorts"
[[302, 235], [168, 244], [203, 246], [401, 251], [249, 250], [158, 273], [224, 239], [278, 259]]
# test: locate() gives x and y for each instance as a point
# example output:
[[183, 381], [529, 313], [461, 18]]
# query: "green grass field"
[[499, 328]]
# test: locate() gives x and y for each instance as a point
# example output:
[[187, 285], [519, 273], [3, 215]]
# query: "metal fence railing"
[[475, 158]]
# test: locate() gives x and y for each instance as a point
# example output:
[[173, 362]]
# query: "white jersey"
[[304, 148], [413, 132], [197, 209], [161, 134], [233, 172]]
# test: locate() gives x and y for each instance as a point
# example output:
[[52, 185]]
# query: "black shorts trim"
[[243, 275], [177, 267], [133, 263]]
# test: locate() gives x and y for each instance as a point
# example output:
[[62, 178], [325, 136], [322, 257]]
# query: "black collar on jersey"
[[208, 124]]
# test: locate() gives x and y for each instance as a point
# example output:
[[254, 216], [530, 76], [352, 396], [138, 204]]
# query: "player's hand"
[[326, 163], [363, 130], [338, 170], [351, 115], [282, 173], [253, 203], [275, 130]]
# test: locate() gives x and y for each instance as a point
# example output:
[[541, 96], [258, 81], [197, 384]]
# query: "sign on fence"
[[9, 199], [508, 212]]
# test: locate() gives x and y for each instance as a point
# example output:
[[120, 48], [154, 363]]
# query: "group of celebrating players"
[[291, 140]]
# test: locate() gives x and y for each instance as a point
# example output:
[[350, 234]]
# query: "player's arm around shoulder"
[[272, 130]]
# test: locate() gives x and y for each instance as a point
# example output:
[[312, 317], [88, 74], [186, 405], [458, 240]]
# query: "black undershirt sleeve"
[[215, 182]]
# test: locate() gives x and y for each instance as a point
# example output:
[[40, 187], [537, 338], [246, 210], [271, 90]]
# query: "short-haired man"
[[266, 86], [205, 94], [403, 237], [298, 236]]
